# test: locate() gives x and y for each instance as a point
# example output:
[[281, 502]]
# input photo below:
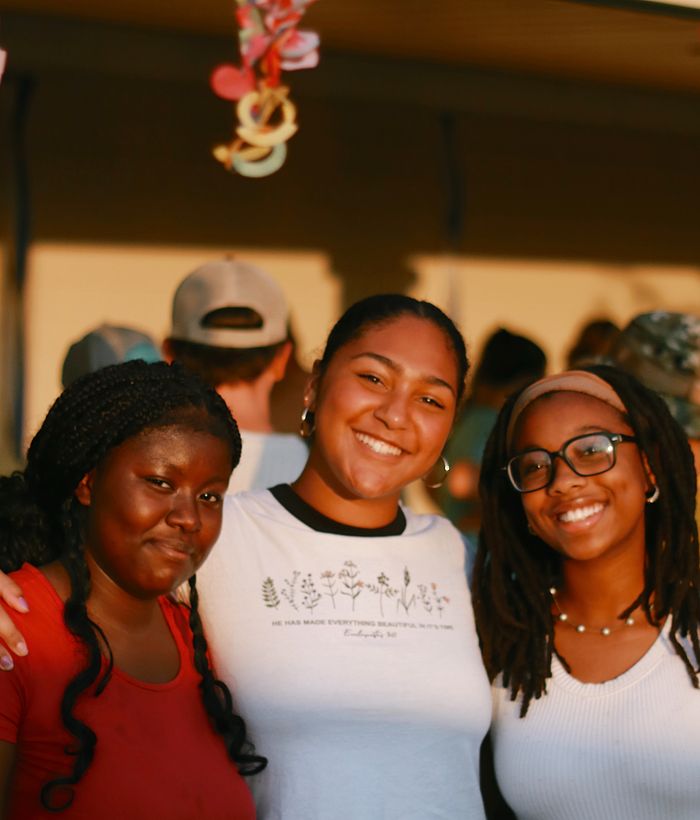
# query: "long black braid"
[[42, 521], [514, 569]]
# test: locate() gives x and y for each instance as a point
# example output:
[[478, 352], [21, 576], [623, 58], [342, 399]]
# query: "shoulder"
[[440, 533], [687, 643], [251, 511], [249, 503], [42, 598], [430, 524]]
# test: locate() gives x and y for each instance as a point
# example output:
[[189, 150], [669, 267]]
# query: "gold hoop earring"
[[446, 470], [306, 424], [654, 497]]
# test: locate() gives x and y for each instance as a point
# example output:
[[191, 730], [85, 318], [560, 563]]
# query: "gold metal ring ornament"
[[255, 128]]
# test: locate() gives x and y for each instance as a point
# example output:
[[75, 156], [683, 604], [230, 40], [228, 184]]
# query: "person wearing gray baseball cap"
[[662, 350], [230, 326]]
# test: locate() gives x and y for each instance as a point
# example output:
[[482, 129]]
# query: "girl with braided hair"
[[343, 617], [587, 600], [116, 712]]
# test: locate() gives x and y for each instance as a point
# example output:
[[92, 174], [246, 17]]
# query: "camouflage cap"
[[662, 350]]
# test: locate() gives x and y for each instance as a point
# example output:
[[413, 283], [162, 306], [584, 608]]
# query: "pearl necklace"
[[581, 628]]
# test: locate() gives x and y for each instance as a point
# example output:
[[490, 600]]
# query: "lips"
[[578, 516], [378, 446], [175, 551]]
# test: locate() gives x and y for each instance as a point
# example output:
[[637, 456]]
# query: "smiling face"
[[383, 409], [154, 508], [584, 517]]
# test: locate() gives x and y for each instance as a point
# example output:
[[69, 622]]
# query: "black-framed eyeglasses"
[[588, 454]]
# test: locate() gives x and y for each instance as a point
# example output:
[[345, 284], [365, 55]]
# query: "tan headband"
[[574, 381]]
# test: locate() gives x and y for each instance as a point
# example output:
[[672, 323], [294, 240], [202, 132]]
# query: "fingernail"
[[23, 604], [21, 648], [6, 663]]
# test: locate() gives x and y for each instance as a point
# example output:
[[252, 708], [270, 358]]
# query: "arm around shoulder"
[[13, 639]]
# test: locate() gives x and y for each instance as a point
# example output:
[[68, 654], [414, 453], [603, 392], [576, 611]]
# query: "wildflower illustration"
[[403, 600], [349, 580], [440, 600], [307, 591], [269, 594], [382, 589], [328, 580], [290, 590], [425, 598], [311, 596]]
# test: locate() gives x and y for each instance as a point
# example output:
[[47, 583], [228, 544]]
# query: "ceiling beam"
[[38, 45]]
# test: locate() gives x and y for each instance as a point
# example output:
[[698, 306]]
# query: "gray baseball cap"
[[225, 284], [662, 350], [105, 345]]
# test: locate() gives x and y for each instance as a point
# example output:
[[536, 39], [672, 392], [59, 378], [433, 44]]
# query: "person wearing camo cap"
[[662, 349]]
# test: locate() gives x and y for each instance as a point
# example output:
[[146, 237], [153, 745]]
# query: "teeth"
[[580, 514], [378, 446]]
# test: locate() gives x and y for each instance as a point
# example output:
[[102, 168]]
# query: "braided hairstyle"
[[514, 569], [42, 521]]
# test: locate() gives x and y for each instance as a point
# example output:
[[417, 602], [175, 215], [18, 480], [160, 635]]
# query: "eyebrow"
[[396, 368], [582, 431]]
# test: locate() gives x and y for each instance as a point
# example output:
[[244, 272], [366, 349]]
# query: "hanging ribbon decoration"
[[269, 44]]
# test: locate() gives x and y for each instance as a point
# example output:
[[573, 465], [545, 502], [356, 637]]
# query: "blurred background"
[[524, 163]]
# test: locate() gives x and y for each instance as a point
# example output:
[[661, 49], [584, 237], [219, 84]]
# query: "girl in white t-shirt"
[[341, 621], [587, 598]]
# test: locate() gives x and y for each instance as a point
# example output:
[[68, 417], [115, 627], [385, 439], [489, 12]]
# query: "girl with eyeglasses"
[[586, 594]]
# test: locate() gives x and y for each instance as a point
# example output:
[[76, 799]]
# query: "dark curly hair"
[[42, 521], [385, 307], [514, 569]]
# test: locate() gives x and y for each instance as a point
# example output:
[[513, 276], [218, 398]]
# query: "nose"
[[393, 410], [564, 479], [184, 513]]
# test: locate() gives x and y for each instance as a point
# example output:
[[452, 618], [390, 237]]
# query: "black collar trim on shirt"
[[321, 523]]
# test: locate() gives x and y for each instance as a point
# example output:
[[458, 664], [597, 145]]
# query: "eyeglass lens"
[[586, 455]]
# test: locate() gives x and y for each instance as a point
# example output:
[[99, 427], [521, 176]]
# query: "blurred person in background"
[[662, 350], [105, 345], [230, 326], [593, 344], [288, 393], [508, 362]]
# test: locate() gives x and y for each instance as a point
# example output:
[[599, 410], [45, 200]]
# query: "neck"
[[340, 505], [249, 403], [112, 607], [597, 591]]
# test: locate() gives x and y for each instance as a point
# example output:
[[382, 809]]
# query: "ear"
[[650, 473], [167, 351], [278, 365], [83, 492], [311, 389]]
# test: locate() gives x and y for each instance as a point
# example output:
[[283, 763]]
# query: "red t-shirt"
[[157, 755]]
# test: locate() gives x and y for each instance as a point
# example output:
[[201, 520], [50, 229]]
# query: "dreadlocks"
[[514, 569], [41, 521]]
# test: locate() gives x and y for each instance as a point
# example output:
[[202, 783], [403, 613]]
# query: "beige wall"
[[549, 300], [73, 288]]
